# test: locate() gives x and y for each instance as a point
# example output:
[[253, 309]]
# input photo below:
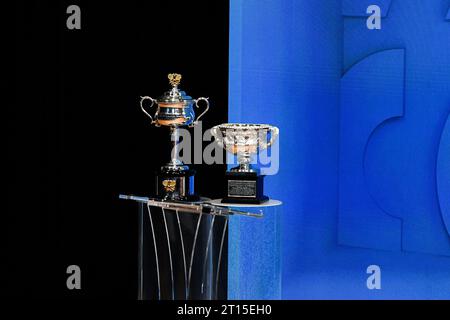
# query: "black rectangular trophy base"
[[176, 185], [244, 187]]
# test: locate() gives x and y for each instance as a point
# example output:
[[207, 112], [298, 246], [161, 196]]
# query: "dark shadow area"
[[77, 137]]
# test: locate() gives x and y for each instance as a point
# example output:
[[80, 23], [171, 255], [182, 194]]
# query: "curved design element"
[[375, 168], [170, 252], [448, 15], [222, 241], [192, 255], [183, 252], [158, 277], [443, 175], [371, 94], [205, 260], [351, 8]]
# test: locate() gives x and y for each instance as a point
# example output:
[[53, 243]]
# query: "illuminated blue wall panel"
[[364, 139], [254, 259]]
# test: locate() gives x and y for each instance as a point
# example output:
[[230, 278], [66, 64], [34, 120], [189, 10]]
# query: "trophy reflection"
[[175, 109], [244, 184]]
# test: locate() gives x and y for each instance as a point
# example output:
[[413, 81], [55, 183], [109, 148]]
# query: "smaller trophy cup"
[[244, 183], [175, 109]]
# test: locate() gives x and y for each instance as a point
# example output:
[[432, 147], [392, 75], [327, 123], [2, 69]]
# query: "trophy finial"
[[174, 79]]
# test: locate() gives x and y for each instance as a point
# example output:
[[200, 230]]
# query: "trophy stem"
[[175, 180], [244, 163], [174, 162], [175, 138], [244, 167]]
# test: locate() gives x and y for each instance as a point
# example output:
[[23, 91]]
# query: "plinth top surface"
[[268, 203]]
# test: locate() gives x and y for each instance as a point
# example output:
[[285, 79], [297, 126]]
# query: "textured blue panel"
[[401, 187], [448, 14], [351, 8], [285, 70], [286, 62], [371, 94], [254, 256], [443, 175]]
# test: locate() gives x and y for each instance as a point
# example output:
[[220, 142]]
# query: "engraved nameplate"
[[242, 188]]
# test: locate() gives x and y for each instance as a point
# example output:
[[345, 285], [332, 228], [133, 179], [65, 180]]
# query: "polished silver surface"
[[201, 208], [174, 108], [175, 164], [244, 140]]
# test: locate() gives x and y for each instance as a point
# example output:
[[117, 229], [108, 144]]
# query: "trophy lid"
[[174, 95]]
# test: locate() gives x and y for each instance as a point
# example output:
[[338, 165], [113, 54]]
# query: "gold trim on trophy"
[[176, 121], [169, 185], [174, 109], [178, 105], [174, 79]]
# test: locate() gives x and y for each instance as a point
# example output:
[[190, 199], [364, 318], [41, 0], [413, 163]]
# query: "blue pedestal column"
[[254, 254]]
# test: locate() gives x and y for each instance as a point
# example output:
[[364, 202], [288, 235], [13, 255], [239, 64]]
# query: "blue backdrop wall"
[[364, 139]]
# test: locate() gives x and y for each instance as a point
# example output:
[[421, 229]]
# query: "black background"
[[77, 138]]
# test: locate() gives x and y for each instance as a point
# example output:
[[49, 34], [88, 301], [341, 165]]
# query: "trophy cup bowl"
[[244, 184], [244, 140], [174, 109]]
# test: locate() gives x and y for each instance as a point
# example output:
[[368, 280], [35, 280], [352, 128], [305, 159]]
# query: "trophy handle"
[[197, 105], [142, 106], [274, 131], [215, 133]]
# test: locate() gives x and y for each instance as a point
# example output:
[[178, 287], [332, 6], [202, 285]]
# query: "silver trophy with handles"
[[174, 109], [244, 184]]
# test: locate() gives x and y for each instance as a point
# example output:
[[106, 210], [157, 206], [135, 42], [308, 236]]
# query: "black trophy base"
[[176, 185], [244, 187]]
